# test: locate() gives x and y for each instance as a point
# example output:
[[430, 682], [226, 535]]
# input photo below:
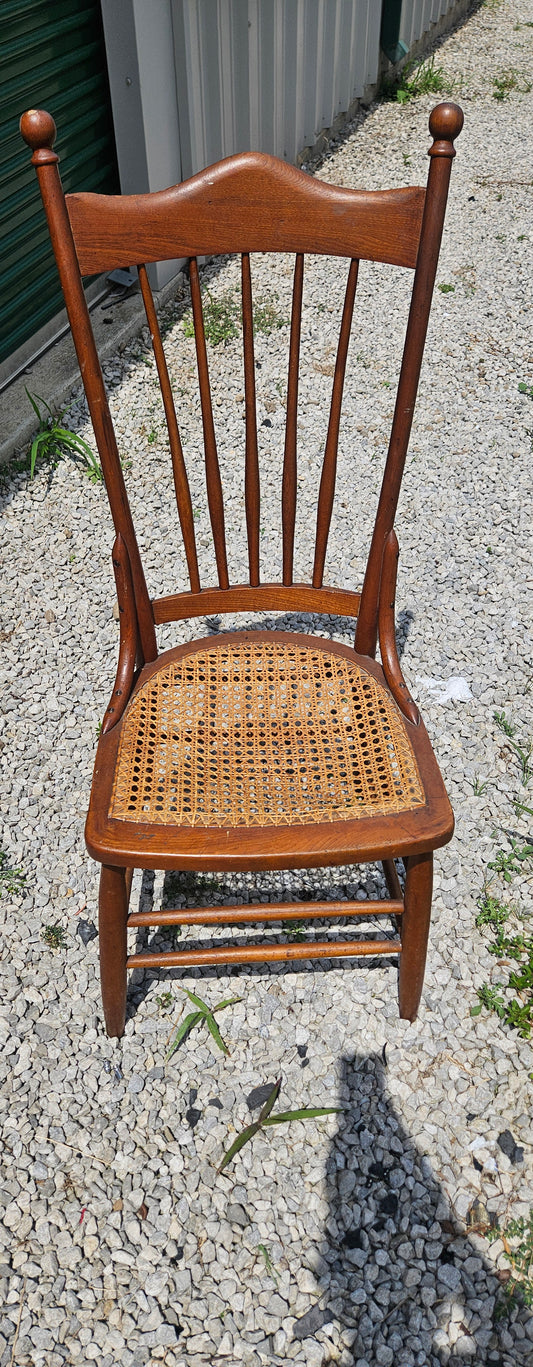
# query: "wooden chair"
[[257, 750]]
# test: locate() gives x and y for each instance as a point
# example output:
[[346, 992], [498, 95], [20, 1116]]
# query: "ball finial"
[[446, 121], [38, 129]]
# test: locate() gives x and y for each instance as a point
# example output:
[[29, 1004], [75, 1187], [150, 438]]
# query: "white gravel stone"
[[342, 1239]]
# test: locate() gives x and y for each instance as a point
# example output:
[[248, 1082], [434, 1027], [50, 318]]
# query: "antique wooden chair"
[[261, 749]]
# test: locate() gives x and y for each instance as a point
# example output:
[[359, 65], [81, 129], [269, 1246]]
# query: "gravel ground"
[[355, 1238]]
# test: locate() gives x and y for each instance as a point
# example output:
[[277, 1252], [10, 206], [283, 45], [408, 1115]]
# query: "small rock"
[[87, 931], [450, 1275], [136, 1083], [259, 1095], [310, 1323], [237, 1215], [509, 1147]]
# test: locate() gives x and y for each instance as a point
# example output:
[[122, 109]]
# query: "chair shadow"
[[326, 623], [194, 890], [404, 1276]]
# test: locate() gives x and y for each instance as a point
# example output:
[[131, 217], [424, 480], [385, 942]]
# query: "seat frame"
[[228, 208]]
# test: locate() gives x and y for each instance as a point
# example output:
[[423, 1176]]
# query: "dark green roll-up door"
[[51, 57]]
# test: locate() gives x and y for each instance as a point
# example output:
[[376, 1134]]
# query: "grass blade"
[[192, 1019], [238, 1144], [230, 1001], [33, 456], [269, 1103], [215, 1032], [198, 1002], [36, 410], [306, 1114]]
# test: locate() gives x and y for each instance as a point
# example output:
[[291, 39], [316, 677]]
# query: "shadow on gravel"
[[195, 890], [404, 1275]]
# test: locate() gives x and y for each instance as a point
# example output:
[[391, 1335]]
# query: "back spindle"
[[251, 468], [212, 468], [329, 467], [181, 483], [289, 485]]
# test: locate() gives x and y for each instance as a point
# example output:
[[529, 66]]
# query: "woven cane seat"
[[262, 733]]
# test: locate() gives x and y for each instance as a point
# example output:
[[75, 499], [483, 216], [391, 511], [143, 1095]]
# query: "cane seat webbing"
[[262, 733]]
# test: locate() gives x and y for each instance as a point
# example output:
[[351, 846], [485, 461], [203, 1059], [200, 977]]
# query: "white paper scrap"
[[454, 689]]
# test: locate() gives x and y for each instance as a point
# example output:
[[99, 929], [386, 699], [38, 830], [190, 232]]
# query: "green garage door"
[[51, 57]]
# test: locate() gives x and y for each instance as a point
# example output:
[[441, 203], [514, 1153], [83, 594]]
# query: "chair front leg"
[[414, 932], [115, 886]]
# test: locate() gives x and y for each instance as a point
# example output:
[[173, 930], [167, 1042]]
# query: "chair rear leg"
[[115, 886], [414, 930]]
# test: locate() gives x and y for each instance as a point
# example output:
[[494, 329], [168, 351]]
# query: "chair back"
[[249, 203]]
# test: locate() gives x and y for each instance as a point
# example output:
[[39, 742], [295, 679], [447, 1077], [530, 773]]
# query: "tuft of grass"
[[203, 1013], [53, 442], [164, 1001], [265, 1118], [294, 930], [479, 785], [507, 81], [504, 724], [11, 880], [517, 1011], [446, 289], [269, 1266], [54, 936], [223, 318], [492, 912], [267, 318], [523, 751], [423, 79]]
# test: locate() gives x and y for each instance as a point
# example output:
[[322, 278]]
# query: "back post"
[[445, 124], [39, 132]]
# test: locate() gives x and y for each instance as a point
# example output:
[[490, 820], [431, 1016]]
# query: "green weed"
[[504, 724], [294, 930], [479, 785], [423, 79], [164, 1001], [265, 1118], [491, 998], [508, 862], [446, 289], [223, 318], [203, 1013], [267, 318], [53, 442], [508, 81], [54, 936], [11, 880], [269, 1266], [522, 751], [524, 388], [517, 1238], [492, 912]]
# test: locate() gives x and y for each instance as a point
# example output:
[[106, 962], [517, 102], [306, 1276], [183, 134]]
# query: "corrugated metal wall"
[[418, 15], [268, 74], [51, 57]]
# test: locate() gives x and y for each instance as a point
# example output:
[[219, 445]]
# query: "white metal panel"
[[419, 15], [268, 74]]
